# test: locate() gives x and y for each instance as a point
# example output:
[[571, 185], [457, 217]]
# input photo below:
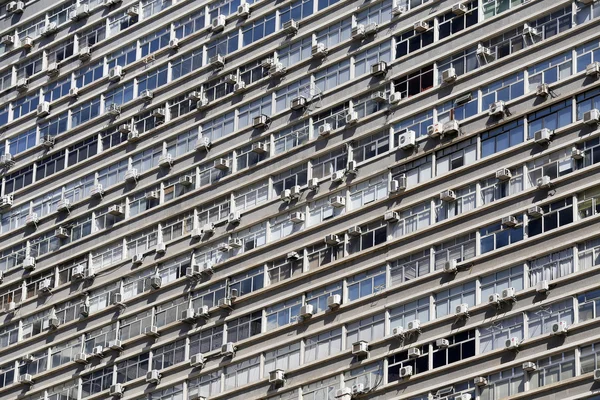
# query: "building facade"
[[300, 200]]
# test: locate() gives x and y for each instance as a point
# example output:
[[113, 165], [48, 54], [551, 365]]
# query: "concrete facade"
[[307, 200]]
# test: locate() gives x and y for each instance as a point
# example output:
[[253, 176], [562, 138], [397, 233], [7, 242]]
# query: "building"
[[306, 199]]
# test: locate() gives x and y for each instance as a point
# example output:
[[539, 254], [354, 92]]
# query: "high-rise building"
[[300, 200]]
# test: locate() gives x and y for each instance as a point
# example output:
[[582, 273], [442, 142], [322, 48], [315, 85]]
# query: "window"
[[553, 117], [177, 226], [297, 176], [450, 23], [553, 369], [497, 282], [336, 32], [295, 52], [223, 46], [335, 160], [132, 368], [171, 393], [65, 352], [96, 382], [550, 71], [323, 345], [461, 108], [282, 226], [154, 42], [83, 150], [113, 174], [318, 297], [502, 138], [285, 358], [336, 117], [152, 79], [18, 180], [218, 127], [174, 269], [283, 269], [589, 305], [25, 105], [463, 62], [296, 11], [321, 254], [401, 315], [556, 214], [418, 124], [217, 88], [92, 35], [364, 60], [85, 112], [100, 337], [106, 256], [411, 41], [249, 111], [283, 313], [300, 88], [377, 14], [323, 389], [552, 24], [14, 218], [168, 355], [251, 195], [252, 72], [244, 327], [89, 74], [332, 76], [181, 105], [368, 329], [54, 126], [258, 29], [248, 282], [497, 235], [136, 283], [412, 219], [29, 68], [370, 376], [22, 142], [371, 146], [50, 165], [410, 267], [223, 7], [590, 357], [368, 191], [551, 266], [189, 24], [465, 201], [185, 64], [242, 373], [119, 22], [447, 300], [206, 341], [541, 319], [503, 384], [587, 53], [246, 157], [462, 346], [495, 7], [66, 390], [205, 385], [460, 249], [494, 335], [147, 159], [57, 89], [401, 360], [555, 164], [7, 374], [372, 234], [141, 201], [505, 89]]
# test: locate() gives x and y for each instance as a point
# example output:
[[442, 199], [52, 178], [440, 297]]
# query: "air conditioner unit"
[[319, 50], [22, 84], [544, 182], [480, 381], [295, 192], [126, 128], [131, 175], [379, 96], [53, 323], [542, 286], [197, 360], [449, 75], [146, 95], [484, 52], [45, 285], [268, 63], [543, 90], [277, 70], [530, 30], [117, 210], [243, 10], [413, 326], [224, 303], [234, 217], [450, 128], [153, 376], [338, 201], [442, 343], [354, 231], [360, 348], [448, 195], [151, 331], [222, 164], [116, 390], [398, 184], [217, 61], [206, 268], [80, 12], [202, 312], [293, 255], [462, 310], [351, 117], [165, 161], [577, 154], [97, 191], [494, 299], [290, 27], [597, 375], [239, 86], [421, 26], [152, 195], [460, 9], [313, 184], [26, 379], [208, 228], [450, 266], [358, 31], [497, 109], [414, 352], [529, 366], [260, 121], [503, 174], [510, 221], [63, 205], [234, 243], [116, 299], [391, 216], [203, 143], [133, 11], [115, 73], [195, 95], [48, 141], [90, 273], [358, 389], [6, 201], [228, 350], [186, 180], [231, 79], [405, 372], [137, 259], [371, 28], [332, 239], [351, 168], [114, 109], [98, 351], [508, 294], [379, 68], [193, 272], [218, 23], [298, 103], [77, 272], [325, 129], [297, 217], [338, 176], [155, 281], [535, 211], [15, 7], [334, 301], [593, 69], [407, 140], [398, 11], [307, 311], [174, 44], [435, 130], [277, 377], [29, 263], [52, 69], [542, 136], [32, 219], [85, 53], [398, 332], [7, 40], [48, 29], [286, 195], [559, 328], [202, 103]]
